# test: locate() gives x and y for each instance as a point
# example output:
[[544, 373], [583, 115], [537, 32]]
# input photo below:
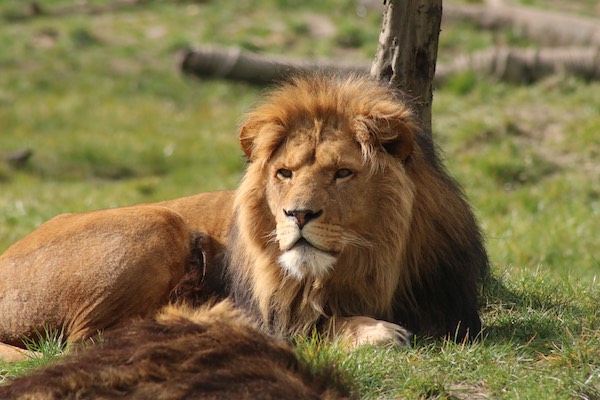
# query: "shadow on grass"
[[533, 311]]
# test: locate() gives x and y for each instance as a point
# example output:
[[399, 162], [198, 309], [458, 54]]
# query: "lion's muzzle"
[[308, 246], [295, 230]]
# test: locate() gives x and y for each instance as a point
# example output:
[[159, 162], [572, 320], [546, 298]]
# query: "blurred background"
[[95, 111]]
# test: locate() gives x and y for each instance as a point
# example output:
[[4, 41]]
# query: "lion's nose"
[[303, 217]]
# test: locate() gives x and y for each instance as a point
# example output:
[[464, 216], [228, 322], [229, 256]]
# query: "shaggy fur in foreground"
[[211, 353]]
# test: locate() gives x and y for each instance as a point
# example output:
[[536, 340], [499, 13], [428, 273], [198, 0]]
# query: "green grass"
[[112, 122], [45, 350], [541, 341]]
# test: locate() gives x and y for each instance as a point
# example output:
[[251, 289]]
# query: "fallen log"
[[525, 65], [35, 9], [544, 27], [237, 64], [508, 64], [17, 158]]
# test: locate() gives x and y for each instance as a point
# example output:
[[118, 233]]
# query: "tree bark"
[[407, 51]]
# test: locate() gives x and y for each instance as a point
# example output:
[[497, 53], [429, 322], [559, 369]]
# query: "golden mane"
[[426, 253], [305, 99]]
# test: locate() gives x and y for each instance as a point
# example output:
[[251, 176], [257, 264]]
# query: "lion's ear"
[[247, 135], [394, 135], [259, 138]]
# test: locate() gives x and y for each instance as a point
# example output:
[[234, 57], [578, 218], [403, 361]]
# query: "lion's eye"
[[343, 174], [283, 173]]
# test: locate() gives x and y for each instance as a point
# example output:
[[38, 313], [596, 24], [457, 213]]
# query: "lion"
[[346, 219], [345, 222], [202, 353], [76, 272]]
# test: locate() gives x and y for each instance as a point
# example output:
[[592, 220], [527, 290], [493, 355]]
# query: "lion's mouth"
[[305, 243], [313, 237]]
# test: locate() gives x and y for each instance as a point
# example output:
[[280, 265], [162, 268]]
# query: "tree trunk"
[[407, 51]]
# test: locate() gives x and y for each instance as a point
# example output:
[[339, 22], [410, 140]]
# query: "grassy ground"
[[111, 122]]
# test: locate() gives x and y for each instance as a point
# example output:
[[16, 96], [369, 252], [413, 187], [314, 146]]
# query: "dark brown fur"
[[211, 353]]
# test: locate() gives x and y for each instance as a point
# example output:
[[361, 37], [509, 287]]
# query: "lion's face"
[[317, 192], [325, 195]]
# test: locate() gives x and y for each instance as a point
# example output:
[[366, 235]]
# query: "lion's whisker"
[[354, 239], [271, 237]]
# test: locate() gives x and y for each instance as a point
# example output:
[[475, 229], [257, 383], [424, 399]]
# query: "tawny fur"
[[208, 353], [81, 273]]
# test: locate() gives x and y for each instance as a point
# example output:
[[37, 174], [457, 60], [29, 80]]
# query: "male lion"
[[345, 221]]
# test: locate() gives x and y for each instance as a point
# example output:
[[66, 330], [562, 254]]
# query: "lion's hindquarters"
[[88, 272]]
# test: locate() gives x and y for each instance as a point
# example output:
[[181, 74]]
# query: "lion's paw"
[[358, 331]]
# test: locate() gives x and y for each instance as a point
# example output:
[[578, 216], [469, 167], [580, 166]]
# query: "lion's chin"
[[304, 260]]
